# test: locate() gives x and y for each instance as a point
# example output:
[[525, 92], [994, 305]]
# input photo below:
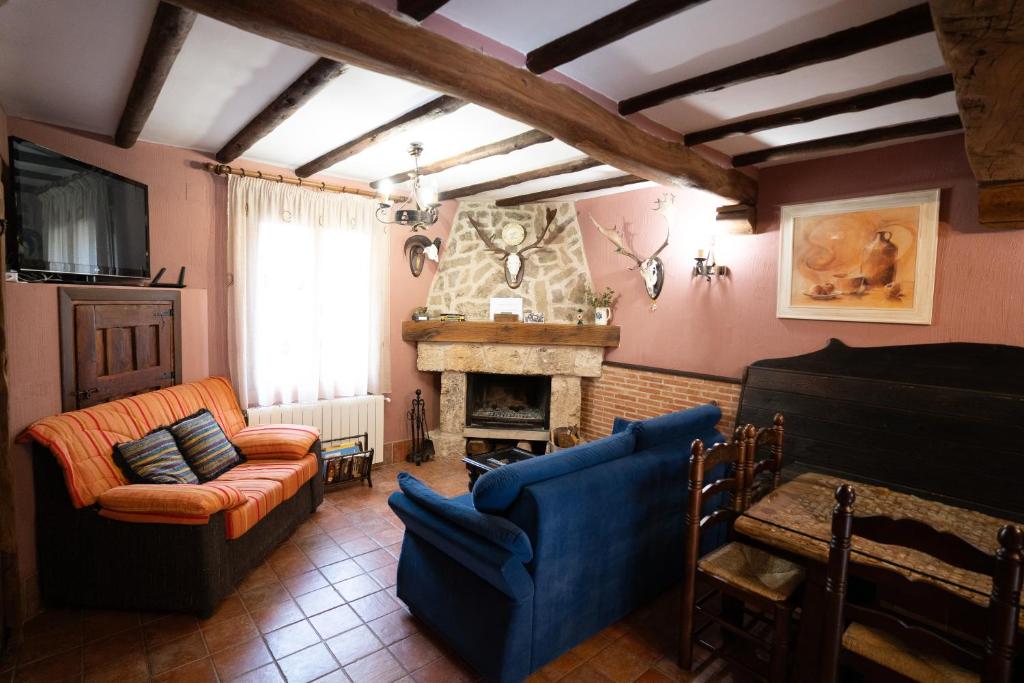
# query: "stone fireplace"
[[509, 381], [491, 371]]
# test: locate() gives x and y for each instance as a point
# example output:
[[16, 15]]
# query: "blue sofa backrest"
[[498, 489], [608, 538]]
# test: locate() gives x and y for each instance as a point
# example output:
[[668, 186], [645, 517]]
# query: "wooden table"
[[796, 519]]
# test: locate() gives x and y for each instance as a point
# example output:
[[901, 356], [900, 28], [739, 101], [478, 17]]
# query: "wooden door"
[[118, 343]]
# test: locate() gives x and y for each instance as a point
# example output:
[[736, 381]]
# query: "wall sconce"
[[705, 265]]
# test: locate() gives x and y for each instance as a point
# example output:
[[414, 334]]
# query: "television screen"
[[70, 218]]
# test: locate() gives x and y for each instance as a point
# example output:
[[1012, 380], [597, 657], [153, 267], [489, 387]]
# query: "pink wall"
[[719, 328], [188, 226]]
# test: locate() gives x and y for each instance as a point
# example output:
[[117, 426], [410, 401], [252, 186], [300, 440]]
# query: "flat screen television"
[[69, 220]]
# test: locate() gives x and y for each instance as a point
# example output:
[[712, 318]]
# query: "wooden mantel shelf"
[[553, 334]]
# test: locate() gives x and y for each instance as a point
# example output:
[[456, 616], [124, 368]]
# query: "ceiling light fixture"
[[423, 212]]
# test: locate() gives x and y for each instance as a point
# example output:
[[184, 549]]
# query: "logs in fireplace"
[[507, 401]]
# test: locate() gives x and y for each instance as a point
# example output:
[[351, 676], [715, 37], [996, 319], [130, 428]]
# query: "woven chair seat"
[[888, 651], [753, 570]]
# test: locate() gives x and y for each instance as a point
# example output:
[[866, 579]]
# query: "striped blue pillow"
[[204, 445], [155, 459]]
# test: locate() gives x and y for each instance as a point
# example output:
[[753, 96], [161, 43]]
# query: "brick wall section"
[[640, 394]]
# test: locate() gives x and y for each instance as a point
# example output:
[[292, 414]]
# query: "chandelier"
[[419, 209]]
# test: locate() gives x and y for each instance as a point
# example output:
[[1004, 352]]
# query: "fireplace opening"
[[507, 401]]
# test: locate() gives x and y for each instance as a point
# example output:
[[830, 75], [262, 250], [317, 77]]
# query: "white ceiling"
[[716, 34], [71, 62]]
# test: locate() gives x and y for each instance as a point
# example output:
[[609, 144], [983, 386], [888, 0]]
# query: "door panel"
[[118, 347]]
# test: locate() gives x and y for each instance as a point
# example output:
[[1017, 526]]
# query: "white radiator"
[[335, 418]]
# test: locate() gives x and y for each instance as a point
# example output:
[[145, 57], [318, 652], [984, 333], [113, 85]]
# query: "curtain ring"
[[259, 174], [323, 186], [280, 178]]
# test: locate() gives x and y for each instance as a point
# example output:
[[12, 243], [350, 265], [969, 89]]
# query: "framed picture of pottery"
[[870, 259]]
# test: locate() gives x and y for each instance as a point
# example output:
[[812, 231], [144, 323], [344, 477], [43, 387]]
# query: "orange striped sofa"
[[104, 542]]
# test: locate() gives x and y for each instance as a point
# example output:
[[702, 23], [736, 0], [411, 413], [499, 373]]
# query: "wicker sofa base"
[[86, 560]]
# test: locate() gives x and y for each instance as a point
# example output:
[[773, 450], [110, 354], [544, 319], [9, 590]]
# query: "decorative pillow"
[[204, 445], [291, 442], [154, 459]]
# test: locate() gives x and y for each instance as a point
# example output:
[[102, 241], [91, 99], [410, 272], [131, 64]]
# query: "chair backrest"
[[766, 472], [899, 617]]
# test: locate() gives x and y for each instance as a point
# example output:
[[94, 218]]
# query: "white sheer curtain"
[[309, 294], [76, 223]]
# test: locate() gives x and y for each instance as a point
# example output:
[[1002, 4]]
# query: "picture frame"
[[867, 259]]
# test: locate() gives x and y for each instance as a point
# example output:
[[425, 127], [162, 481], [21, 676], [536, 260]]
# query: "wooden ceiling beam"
[[840, 143], [167, 35], [284, 105], [361, 35], [420, 9], [925, 87], [604, 31], [436, 108], [983, 45], [606, 183], [574, 166], [905, 24], [512, 144]]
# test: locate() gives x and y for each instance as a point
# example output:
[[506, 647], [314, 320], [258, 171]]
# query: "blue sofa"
[[547, 552]]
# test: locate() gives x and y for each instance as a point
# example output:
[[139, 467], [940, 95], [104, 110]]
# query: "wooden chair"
[[741, 575], [765, 474], [890, 639]]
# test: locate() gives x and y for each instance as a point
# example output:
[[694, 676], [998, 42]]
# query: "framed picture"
[[870, 259]]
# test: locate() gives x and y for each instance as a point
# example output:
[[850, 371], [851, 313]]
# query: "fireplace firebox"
[[507, 401]]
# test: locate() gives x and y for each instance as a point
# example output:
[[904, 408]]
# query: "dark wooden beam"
[[517, 178], [838, 143], [436, 108], [284, 105], [512, 144], [905, 24], [604, 31], [359, 34], [740, 218], [420, 9], [926, 87], [167, 34], [983, 45], [617, 181], [1001, 205]]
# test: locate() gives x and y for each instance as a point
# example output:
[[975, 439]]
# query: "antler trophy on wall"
[[514, 262], [652, 270], [419, 248]]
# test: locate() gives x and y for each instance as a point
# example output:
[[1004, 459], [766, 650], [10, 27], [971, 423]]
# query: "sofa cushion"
[[673, 428], [154, 459], [201, 440], [459, 511], [496, 490], [276, 441], [262, 496], [291, 474], [183, 504], [83, 440]]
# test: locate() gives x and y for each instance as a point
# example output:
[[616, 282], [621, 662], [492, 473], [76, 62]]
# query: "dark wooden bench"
[[941, 421]]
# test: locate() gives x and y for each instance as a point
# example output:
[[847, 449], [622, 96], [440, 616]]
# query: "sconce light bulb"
[[385, 188]]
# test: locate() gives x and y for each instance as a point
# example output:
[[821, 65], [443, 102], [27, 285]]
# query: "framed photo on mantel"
[[870, 259]]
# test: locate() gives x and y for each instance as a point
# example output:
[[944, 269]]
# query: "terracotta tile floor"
[[321, 608]]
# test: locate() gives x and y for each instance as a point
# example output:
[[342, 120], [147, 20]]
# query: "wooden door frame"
[[69, 297]]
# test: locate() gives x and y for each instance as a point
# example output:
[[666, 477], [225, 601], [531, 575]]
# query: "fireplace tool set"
[[422, 446]]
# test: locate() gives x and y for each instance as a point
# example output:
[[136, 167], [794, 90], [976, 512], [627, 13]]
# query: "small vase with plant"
[[602, 303]]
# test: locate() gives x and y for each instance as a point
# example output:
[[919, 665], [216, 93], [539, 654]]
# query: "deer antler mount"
[[652, 269], [514, 261]]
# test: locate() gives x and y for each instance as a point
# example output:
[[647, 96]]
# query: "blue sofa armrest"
[[496, 564]]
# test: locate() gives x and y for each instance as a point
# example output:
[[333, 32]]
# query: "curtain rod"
[[224, 169]]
